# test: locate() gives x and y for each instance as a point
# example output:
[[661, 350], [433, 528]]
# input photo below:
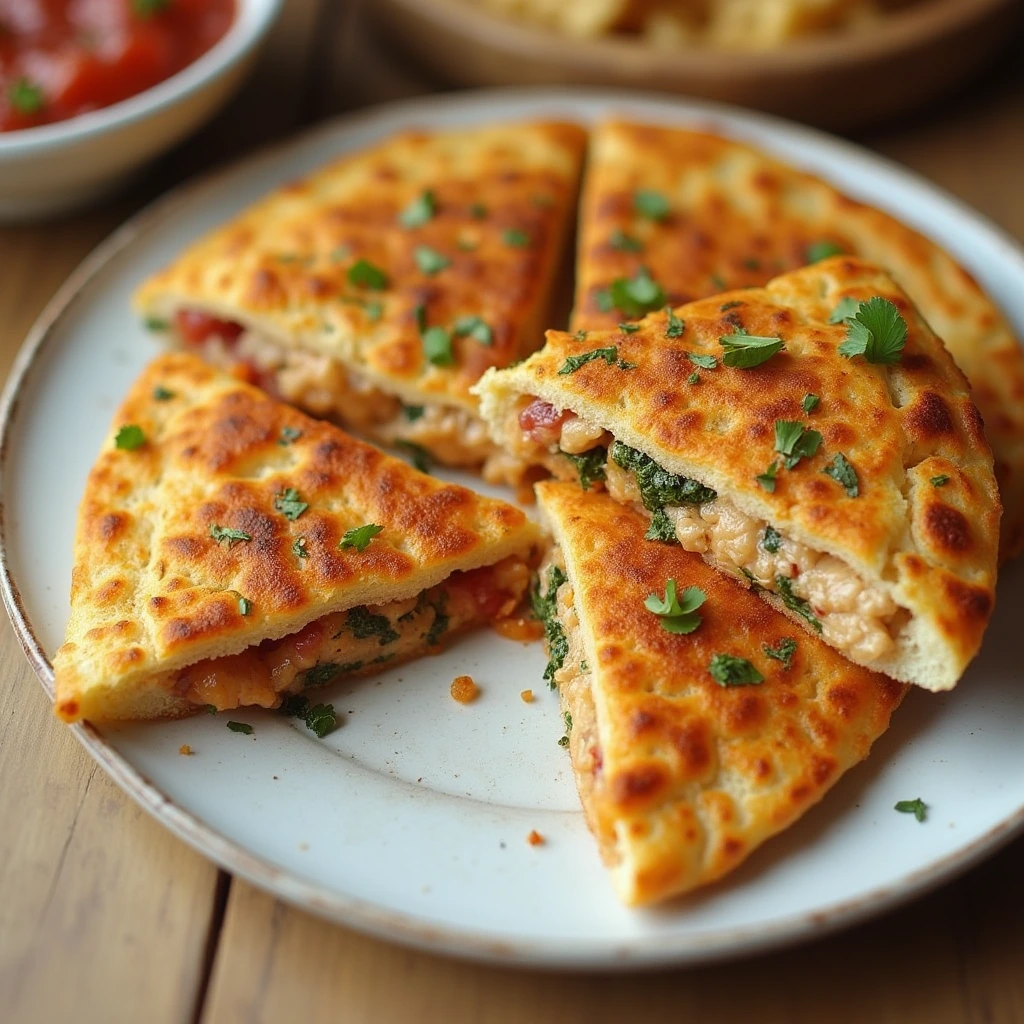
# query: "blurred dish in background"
[[835, 63], [61, 58]]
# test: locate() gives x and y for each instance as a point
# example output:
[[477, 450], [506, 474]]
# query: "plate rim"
[[365, 916]]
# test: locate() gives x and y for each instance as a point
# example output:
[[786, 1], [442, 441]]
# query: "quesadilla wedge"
[[703, 214], [812, 439], [376, 291], [231, 551], [694, 737]]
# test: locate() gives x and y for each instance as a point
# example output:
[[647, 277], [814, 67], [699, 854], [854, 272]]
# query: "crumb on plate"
[[185, 750], [527, 696], [535, 838], [464, 690]]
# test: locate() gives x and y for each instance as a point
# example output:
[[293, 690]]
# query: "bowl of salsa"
[[92, 89]]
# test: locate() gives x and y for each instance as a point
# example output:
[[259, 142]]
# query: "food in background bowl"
[[59, 58]]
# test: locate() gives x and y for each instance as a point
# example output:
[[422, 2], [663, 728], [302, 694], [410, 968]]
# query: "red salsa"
[[61, 58]]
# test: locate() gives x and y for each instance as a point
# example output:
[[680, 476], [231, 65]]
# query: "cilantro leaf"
[[794, 441], [437, 346], [877, 332], [474, 327], [299, 549], [359, 537], [516, 238], [364, 274], [589, 465], [161, 394], [772, 540], [727, 670], [289, 504], [846, 309], [783, 651], [241, 727], [811, 402], [745, 351], [610, 355], [637, 295], [678, 614], [941, 480], [244, 605], [430, 261], [26, 97], [619, 240], [767, 478], [694, 378], [674, 326], [224, 533], [818, 251], [629, 328], [650, 204], [704, 362], [842, 472], [917, 807], [803, 608], [419, 211], [129, 438], [289, 435], [321, 719]]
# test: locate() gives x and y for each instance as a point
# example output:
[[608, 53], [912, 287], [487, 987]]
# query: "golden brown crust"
[[899, 426], [152, 590], [739, 218], [281, 266], [681, 778]]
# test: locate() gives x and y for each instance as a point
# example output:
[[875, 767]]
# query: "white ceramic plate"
[[411, 820]]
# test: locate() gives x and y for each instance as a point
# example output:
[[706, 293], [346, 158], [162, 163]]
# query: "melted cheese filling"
[[353, 641]]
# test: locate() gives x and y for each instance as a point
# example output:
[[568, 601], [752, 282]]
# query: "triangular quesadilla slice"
[[694, 736], [812, 439], [703, 214], [377, 290], [231, 551]]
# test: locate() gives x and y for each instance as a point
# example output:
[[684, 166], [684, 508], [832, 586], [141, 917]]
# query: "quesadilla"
[[376, 291], [231, 551], [696, 215], [695, 736], [813, 439]]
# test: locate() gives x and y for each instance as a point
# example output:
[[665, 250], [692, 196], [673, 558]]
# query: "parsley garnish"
[[580, 335], [321, 719], [156, 323], [784, 585], [842, 472], [745, 351], [846, 309], [26, 97], [289, 504], [678, 614], [413, 412], [650, 204], [674, 326], [289, 435], [772, 540], [694, 378], [322, 674], [589, 465], [244, 605], [241, 727], [941, 480], [767, 478], [610, 355], [299, 549], [430, 261], [516, 238], [704, 362], [794, 442], [727, 670], [811, 402], [662, 528], [437, 346], [359, 537], [545, 607], [629, 328], [783, 651], [918, 808], [473, 327], [877, 332], [224, 533], [419, 211], [637, 295], [618, 239], [439, 626], [365, 623], [418, 455], [129, 437], [567, 718], [161, 394], [563, 741], [729, 305], [294, 705], [363, 273], [210, 709], [818, 251]]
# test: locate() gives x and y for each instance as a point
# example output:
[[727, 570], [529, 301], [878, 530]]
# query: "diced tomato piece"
[[195, 327], [540, 421], [489, 599]]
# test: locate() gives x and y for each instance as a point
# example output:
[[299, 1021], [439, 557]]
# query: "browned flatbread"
[[169, 611], [885, 535], [736, 218], [681, 777], [349, 282]]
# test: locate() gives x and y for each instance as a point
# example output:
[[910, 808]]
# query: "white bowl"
[[56, 167]]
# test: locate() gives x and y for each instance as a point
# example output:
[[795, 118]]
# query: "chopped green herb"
[[564, 741], [750, 263], [772, 540], [637, 295], [629, 328], [321, 719], [129, 437], [299, 549], [437, 346], [584, 667], [729, 305], [783, 651], [26, 97], [365, 623], [650, 204], [918, 808], [222, 534], [419, 211], [244, 605], [210, 709], [359, 537], [767, 479], [161, 394], [156, 323], [290, 504], [603, 300], [818, 251], [846, 309], [418, 455], [241, 727], [704, 362], [810, 402], [718, 281], [413, 412], [727, 670], [618, 239], [784, 585], [678, 614], [745, 351], [294, 705], [364, 274], [589, 465], [610, 355], [439, 626], [842, 472], [289, 435], [661, 529], [430, 261], [694, 378], [322, 674], [545, 607], [478, 211], [795, 442], [580, 335], [516, 238], [674, 326], [567, 718], [877, 332], [941, 480], [473, 327]]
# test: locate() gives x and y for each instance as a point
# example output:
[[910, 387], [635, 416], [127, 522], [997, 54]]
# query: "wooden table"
[[104, 916]]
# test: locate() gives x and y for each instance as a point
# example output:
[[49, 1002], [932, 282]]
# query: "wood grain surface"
[[104, 916]]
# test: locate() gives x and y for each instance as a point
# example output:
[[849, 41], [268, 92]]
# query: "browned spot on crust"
[[972, 602], [822, 769], [947, 528], [733, 847], [929, 416], [112, 525], [692, 742], [844, 699], [638, 785], [212, 618]]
